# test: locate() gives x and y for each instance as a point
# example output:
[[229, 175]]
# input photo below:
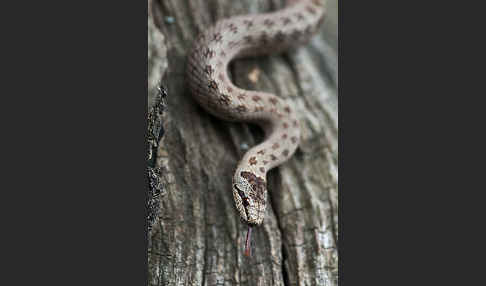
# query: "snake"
[[210, 85]]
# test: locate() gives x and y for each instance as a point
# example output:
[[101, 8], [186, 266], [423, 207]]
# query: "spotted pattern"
[[217, 37], [268, 23], [258, 185], [264, 38], [211, 87], [241, 108], [233, 28], [224, 99], [280, 36], [311, 10], [248, 23]]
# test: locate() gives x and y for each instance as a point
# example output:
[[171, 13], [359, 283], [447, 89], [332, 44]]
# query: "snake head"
[[249, 192]]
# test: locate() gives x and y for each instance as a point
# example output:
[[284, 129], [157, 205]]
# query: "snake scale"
[[211, 87]]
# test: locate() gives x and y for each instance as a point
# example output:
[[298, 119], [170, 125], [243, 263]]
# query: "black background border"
[[78, 195]]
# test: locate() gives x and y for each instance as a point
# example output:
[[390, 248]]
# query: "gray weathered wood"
[[198, 238]]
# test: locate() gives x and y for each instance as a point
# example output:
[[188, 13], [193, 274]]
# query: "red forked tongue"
[[247, 243]]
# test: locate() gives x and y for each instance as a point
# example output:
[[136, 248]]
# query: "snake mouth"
[[246, 203]]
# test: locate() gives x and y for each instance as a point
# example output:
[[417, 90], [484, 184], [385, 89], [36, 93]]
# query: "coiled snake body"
[[211, 87]]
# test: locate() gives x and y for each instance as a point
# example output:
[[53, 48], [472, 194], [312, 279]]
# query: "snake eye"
[[245, 202], [242, 196]]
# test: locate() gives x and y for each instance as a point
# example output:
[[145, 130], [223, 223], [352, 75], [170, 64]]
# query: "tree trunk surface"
[[198, 237]]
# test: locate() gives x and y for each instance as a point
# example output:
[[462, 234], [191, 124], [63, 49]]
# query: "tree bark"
[[198, 238]]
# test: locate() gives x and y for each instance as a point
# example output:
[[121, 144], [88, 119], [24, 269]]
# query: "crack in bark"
[[333, 226], [155, 133], [285, 273]]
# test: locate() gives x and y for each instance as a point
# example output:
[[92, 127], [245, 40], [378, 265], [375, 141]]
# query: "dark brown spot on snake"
[[257, 184], [241, 108]]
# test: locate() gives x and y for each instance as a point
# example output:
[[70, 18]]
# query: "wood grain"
[[198, 238]]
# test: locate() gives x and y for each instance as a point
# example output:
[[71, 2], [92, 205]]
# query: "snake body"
[[211, 87]]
